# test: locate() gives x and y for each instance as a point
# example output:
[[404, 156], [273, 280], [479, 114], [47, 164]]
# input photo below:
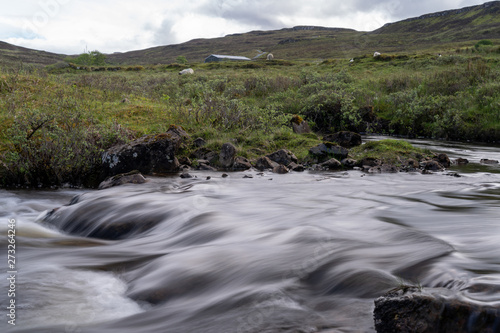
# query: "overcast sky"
[[73, 26]]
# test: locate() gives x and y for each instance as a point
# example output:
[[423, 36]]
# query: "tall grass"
[[55, 126]]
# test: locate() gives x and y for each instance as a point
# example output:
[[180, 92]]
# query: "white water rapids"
[[302, 252]]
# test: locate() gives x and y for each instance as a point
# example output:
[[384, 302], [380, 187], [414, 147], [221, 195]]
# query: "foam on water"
[[67, 297], [304, 252]]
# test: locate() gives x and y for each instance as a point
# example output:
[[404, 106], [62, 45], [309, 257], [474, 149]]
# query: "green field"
[[61, 119], [55, 119]]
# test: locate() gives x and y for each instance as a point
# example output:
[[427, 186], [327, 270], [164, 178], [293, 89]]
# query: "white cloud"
[[70, 26]]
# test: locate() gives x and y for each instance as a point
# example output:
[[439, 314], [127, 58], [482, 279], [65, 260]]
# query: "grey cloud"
[[240, 14], [164, 34], [399, 9], [265, 14], [259, 13]]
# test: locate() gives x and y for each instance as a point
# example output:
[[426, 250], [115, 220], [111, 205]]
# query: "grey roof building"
[[219, 57]]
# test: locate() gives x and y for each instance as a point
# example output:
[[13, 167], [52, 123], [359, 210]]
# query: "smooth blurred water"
[[302, 252]]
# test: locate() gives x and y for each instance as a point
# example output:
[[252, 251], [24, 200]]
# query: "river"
[[301, 252]]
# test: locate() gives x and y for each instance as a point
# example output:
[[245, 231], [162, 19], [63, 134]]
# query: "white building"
[[219, 57]]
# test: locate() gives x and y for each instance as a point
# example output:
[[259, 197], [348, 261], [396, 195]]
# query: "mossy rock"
[[296, 119], [389, 151]]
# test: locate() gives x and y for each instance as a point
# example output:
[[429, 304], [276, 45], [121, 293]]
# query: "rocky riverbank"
[[175, 152]]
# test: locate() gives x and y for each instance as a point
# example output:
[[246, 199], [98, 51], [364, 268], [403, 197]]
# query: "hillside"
[[473, 22], [14, 55], [441, 30], [465, 24], [437, 30], [301, 42]]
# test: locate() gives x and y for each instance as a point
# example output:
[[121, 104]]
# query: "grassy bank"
[[55, 123]]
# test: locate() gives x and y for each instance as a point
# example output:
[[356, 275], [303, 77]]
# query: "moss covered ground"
[[59, 119]]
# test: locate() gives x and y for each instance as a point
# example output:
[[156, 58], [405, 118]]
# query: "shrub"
[[484, 42], [134, 68], [52, 148], [331, 110], [181, 60], [90, 58], [400, 82], [383, 57]]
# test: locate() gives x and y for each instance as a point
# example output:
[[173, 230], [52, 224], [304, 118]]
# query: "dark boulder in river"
[[133, 177], [443, 159], [413, 310], [241, 163], [327, 150], [487, 161], [431, 165], [264, 163], [283, 156], [227, 155], [280, 169], [150, 154], [331, 164], [345, 139]]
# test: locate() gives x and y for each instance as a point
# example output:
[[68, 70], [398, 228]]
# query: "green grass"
[[455, 96], [389, 151]]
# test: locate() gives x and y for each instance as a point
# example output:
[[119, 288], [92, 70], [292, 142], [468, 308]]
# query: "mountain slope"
[[469, 23], [437, 30], [11, 55], [292, 43], [441, 29]]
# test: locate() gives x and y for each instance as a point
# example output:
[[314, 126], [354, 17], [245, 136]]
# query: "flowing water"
[[302, 252]]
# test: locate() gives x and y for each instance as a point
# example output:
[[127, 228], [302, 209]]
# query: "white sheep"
[[186, 71], [376, 54], [270, 56]]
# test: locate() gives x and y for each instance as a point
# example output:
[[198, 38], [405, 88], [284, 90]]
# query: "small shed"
[[219, 57]]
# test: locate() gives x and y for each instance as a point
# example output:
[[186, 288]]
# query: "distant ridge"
[[16, 55], [312, 42], [478, 21], [313, 27], [452, 11]]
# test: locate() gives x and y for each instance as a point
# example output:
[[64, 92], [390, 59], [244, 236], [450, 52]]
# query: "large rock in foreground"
[[150, 154], [412, 310]]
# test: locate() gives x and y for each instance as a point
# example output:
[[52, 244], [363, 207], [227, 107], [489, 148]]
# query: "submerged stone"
[[133, 177], [487, 161], [413, 310], [443, 159]]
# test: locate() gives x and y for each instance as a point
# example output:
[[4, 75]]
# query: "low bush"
[[53, 147]]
